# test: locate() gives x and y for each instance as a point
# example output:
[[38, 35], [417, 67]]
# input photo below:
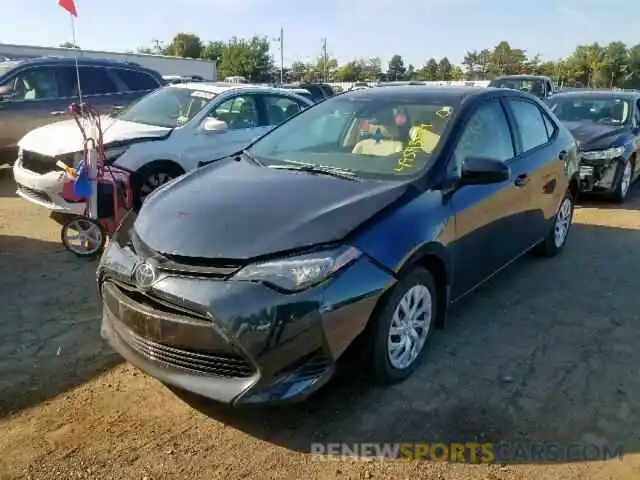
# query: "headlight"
[[300, 272], [608, 154], [111, 154]]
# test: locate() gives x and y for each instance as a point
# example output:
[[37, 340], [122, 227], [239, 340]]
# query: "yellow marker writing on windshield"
[[408, 157]]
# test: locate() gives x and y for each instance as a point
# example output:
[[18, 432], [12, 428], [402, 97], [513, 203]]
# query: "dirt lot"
[[546, 352]]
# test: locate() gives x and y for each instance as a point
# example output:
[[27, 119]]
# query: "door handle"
[[522, 180], [562, 156], [59, 113]]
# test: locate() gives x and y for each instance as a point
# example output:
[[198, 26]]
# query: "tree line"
[[595, 65]]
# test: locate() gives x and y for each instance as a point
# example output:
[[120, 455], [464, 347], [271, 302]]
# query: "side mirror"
[[212, 124], [484, 170]]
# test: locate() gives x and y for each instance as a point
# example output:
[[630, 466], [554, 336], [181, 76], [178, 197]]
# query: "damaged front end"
[[599, 169]]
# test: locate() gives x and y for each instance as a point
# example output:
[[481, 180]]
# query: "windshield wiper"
[[251, 157], [321, 169]]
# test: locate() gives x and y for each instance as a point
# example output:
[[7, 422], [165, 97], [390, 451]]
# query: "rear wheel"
[[556, 239]]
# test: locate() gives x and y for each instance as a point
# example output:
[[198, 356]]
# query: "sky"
[[415, 29]]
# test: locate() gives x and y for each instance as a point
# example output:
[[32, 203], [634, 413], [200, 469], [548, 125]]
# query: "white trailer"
[[163, 64]]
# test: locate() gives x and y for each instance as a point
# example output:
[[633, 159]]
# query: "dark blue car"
[[362, 217]]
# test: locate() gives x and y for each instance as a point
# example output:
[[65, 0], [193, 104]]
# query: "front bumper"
[[600, 176], [235, 342], [45, 189]]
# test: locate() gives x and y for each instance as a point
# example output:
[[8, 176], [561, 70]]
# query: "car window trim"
[[516, 128], [126, 89]]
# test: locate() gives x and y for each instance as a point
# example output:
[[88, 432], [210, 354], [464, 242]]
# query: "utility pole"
[[325, 60], [158, 45], [280, 40]]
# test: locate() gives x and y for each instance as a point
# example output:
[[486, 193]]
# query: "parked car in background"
[[173, 79], [36, 92], [355, 223], [607, 125], [538, 85], [318, 91], [158, 138]]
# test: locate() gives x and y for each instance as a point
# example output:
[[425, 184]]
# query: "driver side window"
[[238, 112], [486, 134]]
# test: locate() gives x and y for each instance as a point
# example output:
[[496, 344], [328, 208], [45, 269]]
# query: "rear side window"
[[533, 131], [137, 81], [96, 81]]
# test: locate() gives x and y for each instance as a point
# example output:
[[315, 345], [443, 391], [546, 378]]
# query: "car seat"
[[276, 115], [428, 140], [292, 110]]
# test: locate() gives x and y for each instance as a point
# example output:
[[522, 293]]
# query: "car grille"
[[156, 303], [42, 164], [204, 363], [35, 194]]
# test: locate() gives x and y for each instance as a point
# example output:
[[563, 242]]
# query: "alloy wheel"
[[153, 181], [563, 222], [410, 327]]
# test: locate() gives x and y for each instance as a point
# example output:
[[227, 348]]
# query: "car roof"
[[218, 88], [598, 94], [522, 77], [419, 92], [72, 60]]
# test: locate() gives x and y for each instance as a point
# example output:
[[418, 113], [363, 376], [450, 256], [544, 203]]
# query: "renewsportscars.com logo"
[[470, 452]]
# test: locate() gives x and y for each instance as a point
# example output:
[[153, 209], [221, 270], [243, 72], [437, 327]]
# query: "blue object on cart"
[[82, 184]]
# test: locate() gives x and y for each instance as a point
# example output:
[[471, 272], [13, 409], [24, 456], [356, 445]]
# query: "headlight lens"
[[608, 154], [297, 273], [111, 154]]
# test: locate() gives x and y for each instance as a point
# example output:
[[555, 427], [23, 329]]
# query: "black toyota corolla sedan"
[[607, 126], [361, 218]]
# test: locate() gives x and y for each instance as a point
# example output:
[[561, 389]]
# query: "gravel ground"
[[546, 352]]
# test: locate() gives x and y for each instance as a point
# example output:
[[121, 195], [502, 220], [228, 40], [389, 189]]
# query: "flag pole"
[[75, 46]]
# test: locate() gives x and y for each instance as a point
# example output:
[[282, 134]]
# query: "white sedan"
[[160, 137]]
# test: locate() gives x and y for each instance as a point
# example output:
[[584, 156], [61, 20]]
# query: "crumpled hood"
[[64, 137], [593, 136], [236, 210]]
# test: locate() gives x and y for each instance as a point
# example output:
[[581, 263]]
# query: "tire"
[[152, 176], [383, 367], [96, 239], [553, 244], [624, 182]]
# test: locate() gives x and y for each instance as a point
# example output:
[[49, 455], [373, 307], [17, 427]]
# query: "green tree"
[[431, 70], [445, 69], [483, 63], [213, 51], [615, 64], [396, 69], [471, 63], [246, 58], [506, 60], [185, 45]]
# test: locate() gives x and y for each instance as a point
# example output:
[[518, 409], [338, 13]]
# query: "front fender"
[[423, 226]]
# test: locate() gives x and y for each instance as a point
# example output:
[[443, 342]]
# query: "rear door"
[[34, 100], [543, 162], [133, 85], [491, 220]]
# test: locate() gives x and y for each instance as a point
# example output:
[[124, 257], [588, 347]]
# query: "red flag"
[[69, 6]]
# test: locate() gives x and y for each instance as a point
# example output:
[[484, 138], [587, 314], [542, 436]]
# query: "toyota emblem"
[[145, 275]]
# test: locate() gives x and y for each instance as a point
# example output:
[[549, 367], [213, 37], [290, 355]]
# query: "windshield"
[[371, 137], [532, 86], [169, 107], [608, 110], [6, 67]]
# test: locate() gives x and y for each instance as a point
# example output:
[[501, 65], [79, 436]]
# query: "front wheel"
[[84, 237], [152, 177], [556, 239], [402, 327], [624, 183]]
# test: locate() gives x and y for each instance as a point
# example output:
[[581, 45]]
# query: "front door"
[[491, 220], [243, 123]]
